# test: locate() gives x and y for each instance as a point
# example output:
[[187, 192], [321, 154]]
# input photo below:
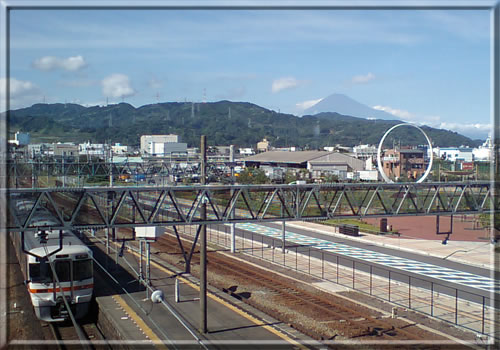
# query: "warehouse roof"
[[286, 157], [336, 158]]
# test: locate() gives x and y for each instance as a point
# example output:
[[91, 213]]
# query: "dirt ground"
[[424, 227]]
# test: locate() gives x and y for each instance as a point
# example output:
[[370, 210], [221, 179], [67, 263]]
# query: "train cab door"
[[64, 273], [62, 268]]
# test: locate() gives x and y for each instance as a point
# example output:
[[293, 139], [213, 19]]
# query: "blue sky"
[[430, 67]]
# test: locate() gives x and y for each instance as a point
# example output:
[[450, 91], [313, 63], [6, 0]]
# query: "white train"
[[72, 264]]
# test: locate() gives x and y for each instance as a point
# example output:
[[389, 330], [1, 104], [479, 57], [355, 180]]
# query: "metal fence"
[[459, 307]]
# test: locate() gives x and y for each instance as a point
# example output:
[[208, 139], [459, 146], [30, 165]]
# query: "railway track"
[[66, 336], [294, 301], [317, 311]]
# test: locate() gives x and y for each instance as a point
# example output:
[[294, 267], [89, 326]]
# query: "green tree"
[[253, 176], [304, 174], [290, 177], [330, 178]]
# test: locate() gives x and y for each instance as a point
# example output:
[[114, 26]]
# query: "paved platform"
[[139, 322], [479, 254]]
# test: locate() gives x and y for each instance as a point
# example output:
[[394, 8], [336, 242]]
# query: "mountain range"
[[242, 124]]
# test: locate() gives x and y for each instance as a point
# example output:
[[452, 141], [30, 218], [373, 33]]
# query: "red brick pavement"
[[424, 227]]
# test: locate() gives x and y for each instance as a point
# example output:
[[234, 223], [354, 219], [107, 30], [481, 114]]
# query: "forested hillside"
[[240, 123]]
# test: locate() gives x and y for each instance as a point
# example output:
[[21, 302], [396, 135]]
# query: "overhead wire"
[[179, 318], [77, 327]]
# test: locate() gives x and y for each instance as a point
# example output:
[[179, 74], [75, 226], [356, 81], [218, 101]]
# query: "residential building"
[[40, 149], [403, 163], [246, 151], [66, 150], [263, 146], [364, 151], [222, 150], [93, 149], [118, 149]]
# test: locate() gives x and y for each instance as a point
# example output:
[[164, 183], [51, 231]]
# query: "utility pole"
[[283, 232], [63, 172], [233, 225], [110, 166], [203, 241], [32, 174]]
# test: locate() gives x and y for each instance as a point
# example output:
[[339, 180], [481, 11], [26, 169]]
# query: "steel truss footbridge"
[[22, 169], [118, 207]]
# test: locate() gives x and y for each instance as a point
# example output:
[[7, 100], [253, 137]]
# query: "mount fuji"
[[345, 105]]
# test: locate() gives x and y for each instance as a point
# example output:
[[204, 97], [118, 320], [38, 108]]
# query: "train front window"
[[63, 271], [82, 269], [40, 273]]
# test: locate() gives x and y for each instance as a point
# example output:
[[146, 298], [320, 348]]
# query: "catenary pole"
[[203, 241]]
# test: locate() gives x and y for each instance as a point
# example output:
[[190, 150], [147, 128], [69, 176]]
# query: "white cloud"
[[117, 86], [465, 128], [397, 112], [19, 87], [473, 130], [362, 79], [22, 93], [307, 104], [284, 83], [404, 115], [48, 63]]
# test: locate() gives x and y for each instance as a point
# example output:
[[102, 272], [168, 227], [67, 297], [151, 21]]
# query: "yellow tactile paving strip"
[[148, 332], [229, 306]]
